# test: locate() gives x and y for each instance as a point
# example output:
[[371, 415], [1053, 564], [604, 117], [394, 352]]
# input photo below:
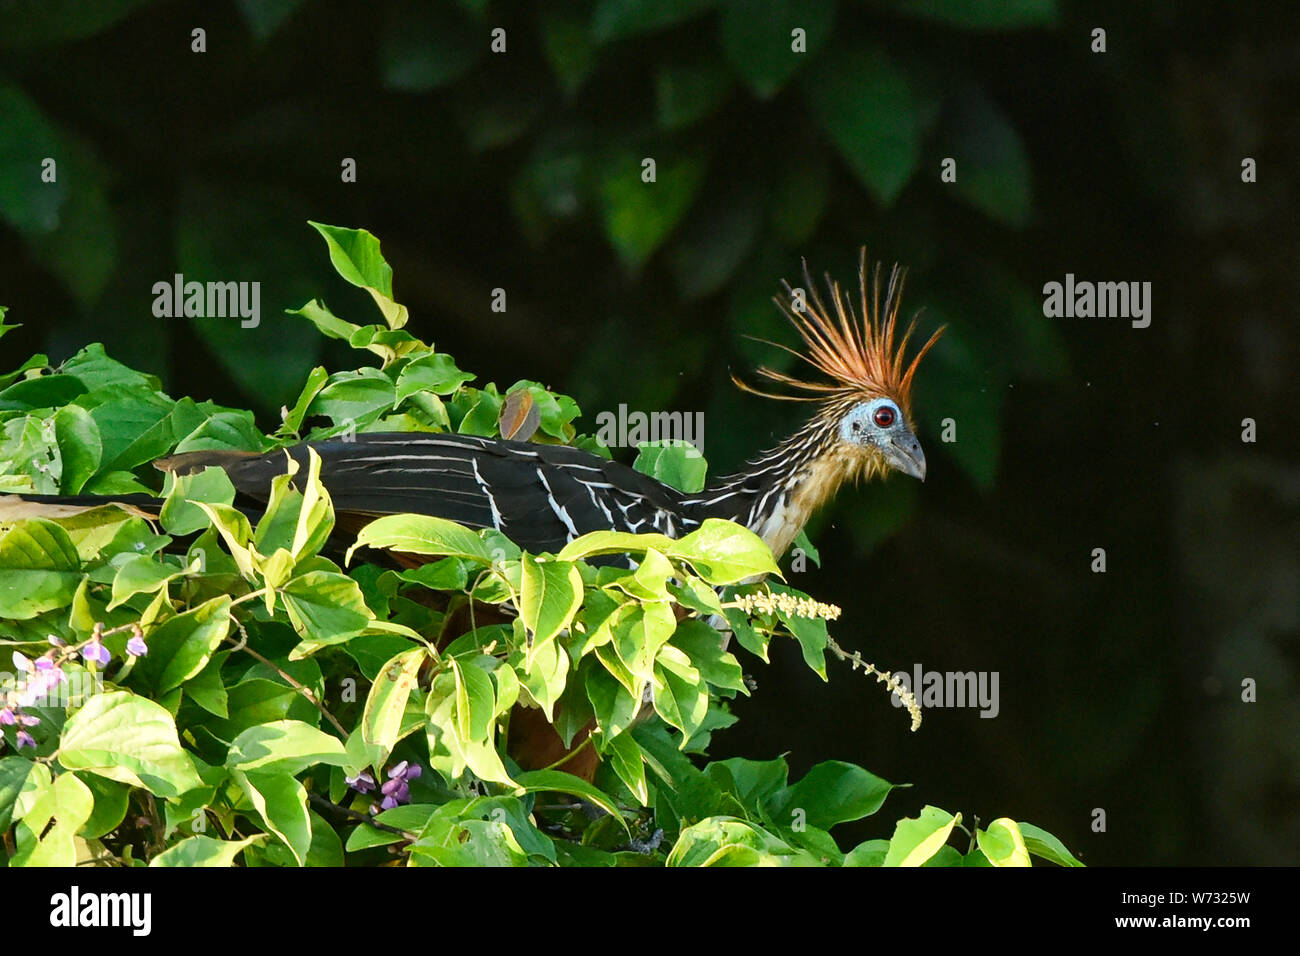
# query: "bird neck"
[[776, 493]]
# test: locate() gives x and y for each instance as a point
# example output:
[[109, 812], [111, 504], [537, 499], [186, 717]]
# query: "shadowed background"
[[521, 171]]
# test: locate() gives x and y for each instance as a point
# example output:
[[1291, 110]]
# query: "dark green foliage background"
[[480, 171]]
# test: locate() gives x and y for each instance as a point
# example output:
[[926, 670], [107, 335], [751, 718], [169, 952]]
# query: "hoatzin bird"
[[543, 496]]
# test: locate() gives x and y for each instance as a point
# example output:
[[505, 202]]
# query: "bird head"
[[864, 399]]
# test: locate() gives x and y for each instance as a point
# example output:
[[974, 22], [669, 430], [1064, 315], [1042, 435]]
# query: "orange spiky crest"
[[856, 352]]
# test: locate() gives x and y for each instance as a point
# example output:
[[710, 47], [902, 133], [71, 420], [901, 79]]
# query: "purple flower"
[[7, 716], [396, 790], [361, 783], [49, 673], [388, 803], [405, 771], [57, 641], [28, 720], [25, 740], [97, 652], [136, 647]]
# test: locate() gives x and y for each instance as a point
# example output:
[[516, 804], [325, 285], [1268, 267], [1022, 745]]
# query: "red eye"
[[884, 416]]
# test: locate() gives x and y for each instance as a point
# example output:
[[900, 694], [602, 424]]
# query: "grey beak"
[[904, 454]]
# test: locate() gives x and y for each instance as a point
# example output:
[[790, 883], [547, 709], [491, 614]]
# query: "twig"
[[242, 645], [321, 802]]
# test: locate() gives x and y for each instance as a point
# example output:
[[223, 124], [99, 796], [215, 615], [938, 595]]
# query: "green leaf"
[[870, 853], [182, 645], [831, 792], [596, 543], [916, 840], [678, 464], [78, 446], [68, 803], [319, 315], [316, 380], [728, 841], [13, 777], [680, 696], [638, 637], [449, 574], [756, 38], [356, 257], [224, 431], [204, 851], [483, 415], [111, 802], [325, 607], [358, 397], [870, 109], [543, 673], [802, 543], [93, 366], [381, 721], [43, 391], [1003, 844], [555, 412], [538, 781], [432, 373], [694, 594], [810, 632], [179, 513], [628, 762], [38, 562], [141, 574], [752, 782], [690, 793], [26, 593], [723, 552], [993, 170], [475, 702], [550, 595], [208, 690], [422, 534], [38, 544], [281, 802], [748, 636], [703, 646], [1042, 844], [138, 428], [284, 747], [639, 215], [130, 739], [612, 704]]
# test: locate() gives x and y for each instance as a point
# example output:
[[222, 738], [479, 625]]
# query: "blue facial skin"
[[879, 424]]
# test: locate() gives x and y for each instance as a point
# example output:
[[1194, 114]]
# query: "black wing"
[[540, 496]]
